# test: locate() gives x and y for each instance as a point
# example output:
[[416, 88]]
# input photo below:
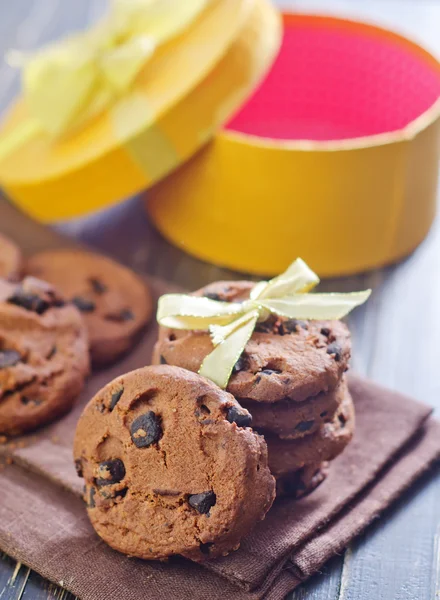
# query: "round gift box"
[[334, 158]]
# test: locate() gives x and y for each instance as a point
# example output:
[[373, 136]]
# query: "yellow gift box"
[[334, 157]]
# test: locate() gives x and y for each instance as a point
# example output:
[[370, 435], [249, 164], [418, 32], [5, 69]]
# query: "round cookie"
[[44, 357], [286, 456], [302, 482], [114, 301], [285, 358], [294, 420], [170, 466], [10, 259]]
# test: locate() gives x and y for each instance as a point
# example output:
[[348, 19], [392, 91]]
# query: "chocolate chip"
[[52, 352], [342, 420], [110, 471], [202, 502], [97, 285], [241, 364], [83, 304], [28, 301], [162, 360], [145, 430], [304, 426], [212, 296], [91, 498], [26, 400], [205, 548], [325, 331], [271, 371], [79, 467], [9, 358], [35, 295], [257, 379], [240, 417], [336, 350], [265, 327], [323, 414], [116, 396], [291, 326], [127, 315], [121, 317], [121, 493]]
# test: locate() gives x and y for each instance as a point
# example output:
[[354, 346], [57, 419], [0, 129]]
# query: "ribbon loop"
[[231, 324], [218, 365], [297, 279], [78, 77], [179, 311]]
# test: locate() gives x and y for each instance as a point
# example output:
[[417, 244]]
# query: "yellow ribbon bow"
[[231, 324], [78, 77]]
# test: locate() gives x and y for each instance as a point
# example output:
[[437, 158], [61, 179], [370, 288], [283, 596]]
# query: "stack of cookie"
[[291, 378], [168, 468], [44, 357], [82, 306]]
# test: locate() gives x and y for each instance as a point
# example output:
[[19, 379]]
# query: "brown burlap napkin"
[[43, 522]]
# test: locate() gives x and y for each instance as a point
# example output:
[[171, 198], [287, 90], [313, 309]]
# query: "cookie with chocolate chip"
[[170, 466], [285, 358], [287, 456], [115, 303], [293, 420], [10, 259], [44, 357]]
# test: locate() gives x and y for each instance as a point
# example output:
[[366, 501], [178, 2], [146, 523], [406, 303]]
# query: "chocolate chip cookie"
[[302, 482], [285, 358], [10, 259], [44, 357], [293, 420], [170, 466], [286, 456], [114, 301]]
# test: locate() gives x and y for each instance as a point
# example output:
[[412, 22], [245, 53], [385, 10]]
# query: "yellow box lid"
[[185, 92]]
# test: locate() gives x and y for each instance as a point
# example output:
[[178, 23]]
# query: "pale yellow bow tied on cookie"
[[78, 77], [231, 324]]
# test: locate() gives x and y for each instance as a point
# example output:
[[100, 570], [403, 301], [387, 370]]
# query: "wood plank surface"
[[395, 335]]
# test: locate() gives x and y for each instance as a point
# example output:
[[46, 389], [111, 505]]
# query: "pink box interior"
[[336, 80]]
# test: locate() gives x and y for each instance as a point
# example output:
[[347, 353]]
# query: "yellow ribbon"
[[75, 79], [231, 324]]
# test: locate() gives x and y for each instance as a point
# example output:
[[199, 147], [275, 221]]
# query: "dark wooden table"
[[395, 335]]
